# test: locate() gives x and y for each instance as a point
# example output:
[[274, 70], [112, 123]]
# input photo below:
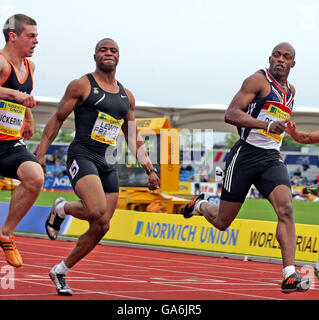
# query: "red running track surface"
[[117, 273]]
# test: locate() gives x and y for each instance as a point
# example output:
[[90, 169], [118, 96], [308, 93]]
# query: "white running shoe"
[[60, 284]]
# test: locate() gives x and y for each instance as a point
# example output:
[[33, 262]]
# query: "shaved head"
[[286, 46], [106, 55], [105, 39], [282, 59]]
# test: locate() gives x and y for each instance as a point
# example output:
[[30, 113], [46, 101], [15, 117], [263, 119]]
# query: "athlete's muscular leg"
[[281, 200], [31, 176], [220, 216], [95, 207], [92, 204], [98, 228]]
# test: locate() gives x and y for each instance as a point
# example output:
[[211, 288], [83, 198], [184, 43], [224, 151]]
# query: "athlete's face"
[[281, 61], [26, 42], [107, 56]]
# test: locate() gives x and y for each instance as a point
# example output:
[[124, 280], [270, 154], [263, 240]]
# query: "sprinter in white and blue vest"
[[260, 111]]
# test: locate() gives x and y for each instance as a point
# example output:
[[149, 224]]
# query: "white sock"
[[317, 265], [61, 268], [198, 204], [60, 209], [288, 271]]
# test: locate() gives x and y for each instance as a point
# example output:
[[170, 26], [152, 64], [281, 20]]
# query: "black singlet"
[[99, 118]]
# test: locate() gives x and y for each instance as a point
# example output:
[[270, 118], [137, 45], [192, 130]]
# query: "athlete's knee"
[[35, 184], [222, 226], [31, 176], [285, 212], [96, 213], [222, 223], [104, 228], [100, 227], [217, 218]]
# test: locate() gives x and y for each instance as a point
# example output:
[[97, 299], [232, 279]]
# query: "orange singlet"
[[12, 113]]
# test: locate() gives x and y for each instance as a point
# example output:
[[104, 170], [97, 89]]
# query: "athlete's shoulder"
[[4, 64], [2, 57], [255, 82], [258, 75], [293, 89], [128, 92], [78, 87], [80, 83], [130, 96], [32, 65]]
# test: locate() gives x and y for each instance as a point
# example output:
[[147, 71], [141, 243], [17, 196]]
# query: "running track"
[[119, 273]]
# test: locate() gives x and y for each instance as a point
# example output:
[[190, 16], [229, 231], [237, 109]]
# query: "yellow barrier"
[[141, 199], [184, 188], [246, 237], [8, 184]]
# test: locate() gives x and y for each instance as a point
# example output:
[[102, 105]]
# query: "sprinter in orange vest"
[[16, 124]]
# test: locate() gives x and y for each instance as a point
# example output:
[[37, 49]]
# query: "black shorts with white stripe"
[[248, 165]]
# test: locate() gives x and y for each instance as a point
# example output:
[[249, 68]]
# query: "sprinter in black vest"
[[102, 107], [16, 123]]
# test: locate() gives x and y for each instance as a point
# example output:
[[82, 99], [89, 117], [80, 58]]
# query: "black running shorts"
[[82, 162], [247, 165], [12, 155]]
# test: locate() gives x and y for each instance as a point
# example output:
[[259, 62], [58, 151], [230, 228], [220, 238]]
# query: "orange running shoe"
[[11, 252]]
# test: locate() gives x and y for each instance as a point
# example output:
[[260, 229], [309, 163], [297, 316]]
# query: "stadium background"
[[252, 235]]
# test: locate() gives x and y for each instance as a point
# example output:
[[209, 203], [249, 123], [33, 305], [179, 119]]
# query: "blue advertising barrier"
[[57, 183], [300, 159], [34, 221]]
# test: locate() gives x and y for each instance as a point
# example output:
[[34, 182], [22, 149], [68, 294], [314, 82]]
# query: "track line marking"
[[131, 263]]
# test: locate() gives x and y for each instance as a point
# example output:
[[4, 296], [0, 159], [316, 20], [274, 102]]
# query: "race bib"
[[276, 137], [275, 113], [11, 118], [106, 129]]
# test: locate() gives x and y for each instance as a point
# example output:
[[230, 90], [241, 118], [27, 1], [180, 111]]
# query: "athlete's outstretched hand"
[[291, 127], [153, 181]]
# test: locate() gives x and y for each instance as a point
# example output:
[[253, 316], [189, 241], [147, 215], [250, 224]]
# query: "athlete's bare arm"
[[136, 144], [302, 136], [9, 94], [73, 95], [254, 87]]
